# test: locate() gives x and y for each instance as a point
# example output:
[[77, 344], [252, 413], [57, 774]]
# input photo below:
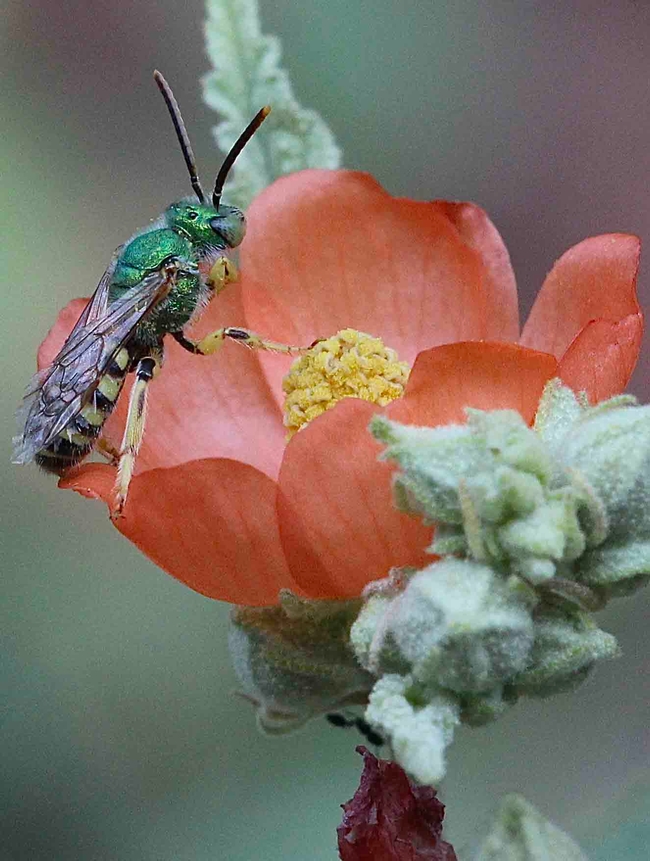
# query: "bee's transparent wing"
[[57, 394], [94, 311]]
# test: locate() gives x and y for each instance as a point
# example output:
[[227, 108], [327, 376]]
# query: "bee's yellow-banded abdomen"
[[121, 359], [110, 386], [92, 415], [350, 364]]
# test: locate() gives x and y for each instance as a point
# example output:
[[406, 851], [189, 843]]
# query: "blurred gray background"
[[121, 740]]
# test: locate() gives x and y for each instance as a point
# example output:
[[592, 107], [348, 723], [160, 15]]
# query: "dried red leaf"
[[392, 819]]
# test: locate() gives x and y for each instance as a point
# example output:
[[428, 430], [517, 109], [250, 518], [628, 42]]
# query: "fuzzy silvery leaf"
[[559, 409], [521, 833], [505, 434], [607, 450], [610, 448], [481, 709], [247, 75], [460, 627], [419, 735], [433, 461], [518, 508], [566, 646], [616, 569], [568, 499]]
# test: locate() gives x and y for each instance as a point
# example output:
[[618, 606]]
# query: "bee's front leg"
[[224, 271], [134, 430], [211, 343]]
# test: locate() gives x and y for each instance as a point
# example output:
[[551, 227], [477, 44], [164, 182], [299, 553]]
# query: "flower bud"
[[565, 649], [457, 625], [294, 661], [520, 831]]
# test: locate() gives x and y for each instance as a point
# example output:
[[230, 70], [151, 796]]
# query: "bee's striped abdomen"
[[78, 439]]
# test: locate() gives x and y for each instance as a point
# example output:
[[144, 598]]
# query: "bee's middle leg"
[[134, 430], [103, 447]]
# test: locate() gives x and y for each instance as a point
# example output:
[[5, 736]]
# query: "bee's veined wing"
[[94, 310], [96, 307], [57, 394]]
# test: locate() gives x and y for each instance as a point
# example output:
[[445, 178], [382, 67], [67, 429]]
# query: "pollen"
[[350, 364]]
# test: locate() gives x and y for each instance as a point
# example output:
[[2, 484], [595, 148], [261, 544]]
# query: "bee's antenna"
[[181, 133], [237, 147]]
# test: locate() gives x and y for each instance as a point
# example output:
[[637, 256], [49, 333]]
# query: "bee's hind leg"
[[134, 430]]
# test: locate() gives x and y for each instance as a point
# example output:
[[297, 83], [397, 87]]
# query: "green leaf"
[[247, 75], [566, 647]]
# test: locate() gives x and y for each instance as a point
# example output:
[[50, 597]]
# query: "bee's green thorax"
[[145, 253], [206, 227]]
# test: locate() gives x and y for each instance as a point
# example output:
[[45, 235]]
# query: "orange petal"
[[213, 406], [478, 231], [331, 249], [487, 376], [338, 525], [601, 359], [62, 327], [211, 524], [594, 280], [199, 406]]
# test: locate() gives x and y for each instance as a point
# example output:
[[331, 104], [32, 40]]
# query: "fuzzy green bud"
[[456, 625], [537, 527], [294, 662], [566, 647], [568, 499], [521, 833]]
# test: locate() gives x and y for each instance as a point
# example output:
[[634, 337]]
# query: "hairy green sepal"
[[294, 660]]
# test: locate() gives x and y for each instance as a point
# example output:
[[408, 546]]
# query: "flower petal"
[[338, 525], [594, 280], [478, 231], [210, 523], [214, 406], [198, 406], [63, 325], [601, 359], [487, 376], [326, 250], [390, 818]]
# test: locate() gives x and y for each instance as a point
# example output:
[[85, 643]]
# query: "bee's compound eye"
[[229, 225]]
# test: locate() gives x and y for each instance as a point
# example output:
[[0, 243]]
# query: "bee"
[[156, 284]]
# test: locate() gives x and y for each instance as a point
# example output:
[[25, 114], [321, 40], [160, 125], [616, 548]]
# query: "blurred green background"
[[120, 737]]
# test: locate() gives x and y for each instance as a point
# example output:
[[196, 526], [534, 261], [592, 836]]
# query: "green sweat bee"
[[156, 284]]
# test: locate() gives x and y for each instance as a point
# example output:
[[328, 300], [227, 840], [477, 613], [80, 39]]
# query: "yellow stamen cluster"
[[350, 364]]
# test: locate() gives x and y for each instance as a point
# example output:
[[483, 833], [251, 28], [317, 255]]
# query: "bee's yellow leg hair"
[[134, 430], [224, 272], [211, 343]]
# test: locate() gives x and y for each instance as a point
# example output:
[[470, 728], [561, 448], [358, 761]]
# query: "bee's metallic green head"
[[205, 226]]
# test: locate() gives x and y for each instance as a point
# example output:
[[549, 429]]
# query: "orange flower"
[[222, 502]]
